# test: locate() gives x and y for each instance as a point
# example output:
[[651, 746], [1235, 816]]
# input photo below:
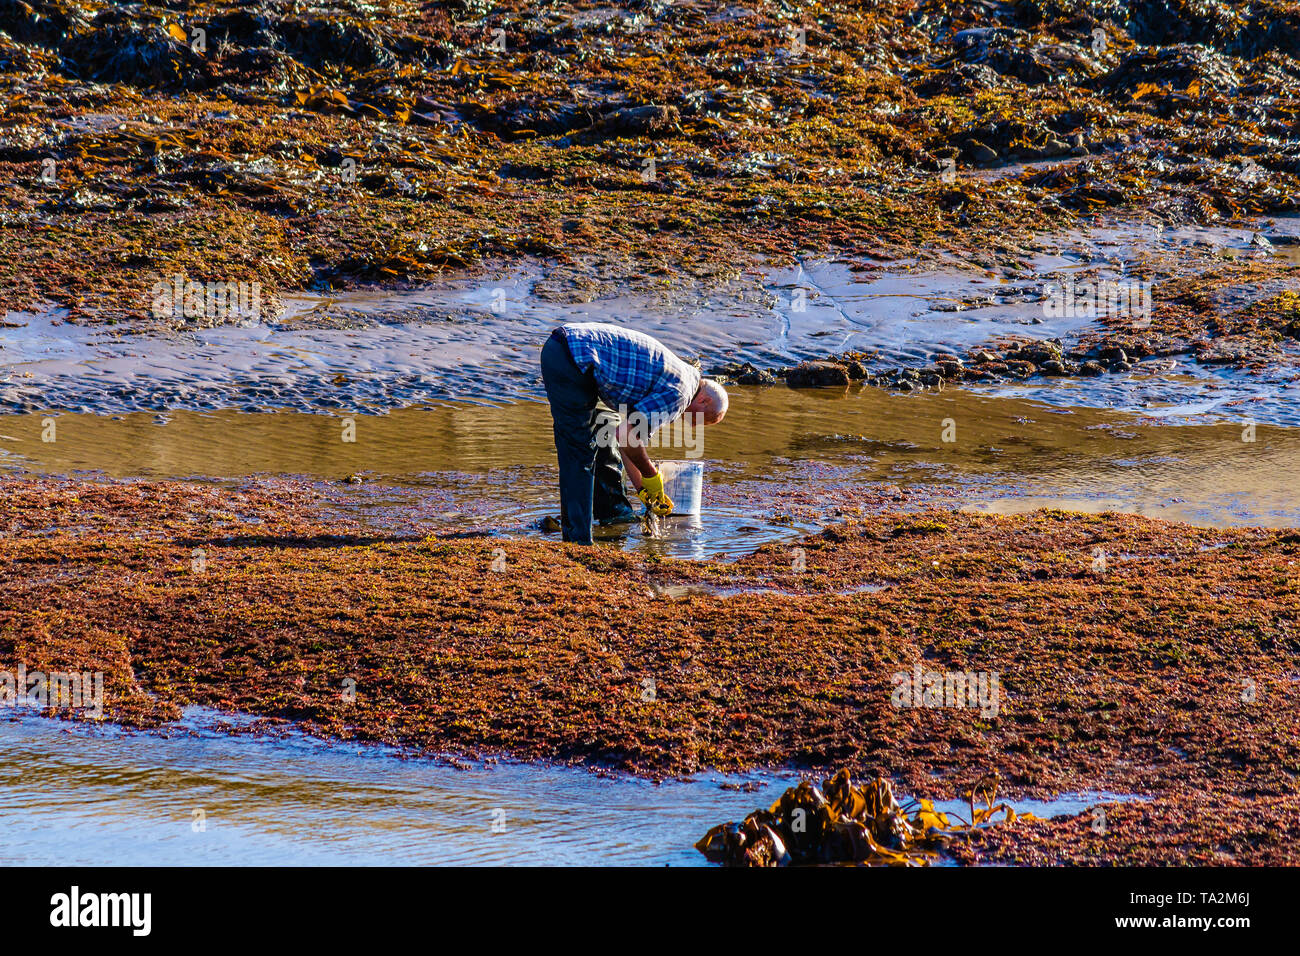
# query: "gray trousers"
[[591, 476]]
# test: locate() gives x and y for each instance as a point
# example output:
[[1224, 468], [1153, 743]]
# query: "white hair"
[[715, 397]]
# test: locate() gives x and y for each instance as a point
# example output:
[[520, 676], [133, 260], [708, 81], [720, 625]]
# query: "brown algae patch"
[[1171, 672]]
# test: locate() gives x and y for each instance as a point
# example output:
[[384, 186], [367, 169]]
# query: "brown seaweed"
[[843, 823]]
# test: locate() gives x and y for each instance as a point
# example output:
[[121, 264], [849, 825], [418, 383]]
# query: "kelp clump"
[[841, 823]]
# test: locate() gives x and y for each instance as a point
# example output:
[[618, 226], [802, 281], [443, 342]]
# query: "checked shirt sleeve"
[[668, 398]]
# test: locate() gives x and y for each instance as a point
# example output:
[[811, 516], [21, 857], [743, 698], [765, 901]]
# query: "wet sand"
[[475, 337]]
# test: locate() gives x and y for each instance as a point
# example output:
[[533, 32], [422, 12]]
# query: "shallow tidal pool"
[[192, 794]]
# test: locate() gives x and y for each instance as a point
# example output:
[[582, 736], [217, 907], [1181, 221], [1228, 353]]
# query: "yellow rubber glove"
[[652, 493]]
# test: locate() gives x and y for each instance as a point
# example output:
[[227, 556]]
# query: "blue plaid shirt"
[[633, 372]]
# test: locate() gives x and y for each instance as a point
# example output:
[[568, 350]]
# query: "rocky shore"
[[662, 144]]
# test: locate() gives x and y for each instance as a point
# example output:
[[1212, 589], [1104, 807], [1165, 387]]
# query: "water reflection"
[[81, 795], [492, 468]]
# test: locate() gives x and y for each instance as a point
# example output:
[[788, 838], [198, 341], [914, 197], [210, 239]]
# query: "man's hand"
[[652, 493]]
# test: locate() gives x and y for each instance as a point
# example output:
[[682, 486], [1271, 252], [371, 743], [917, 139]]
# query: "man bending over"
[[592, 372]]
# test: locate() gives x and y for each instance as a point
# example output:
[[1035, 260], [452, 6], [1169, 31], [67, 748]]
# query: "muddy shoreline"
[[1146, 693], [1219, 337]]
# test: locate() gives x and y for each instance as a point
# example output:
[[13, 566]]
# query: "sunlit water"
[[476, 337], [491, 468], [84, 795]]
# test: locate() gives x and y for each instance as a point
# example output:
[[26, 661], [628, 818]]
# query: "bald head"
[[710, 402]]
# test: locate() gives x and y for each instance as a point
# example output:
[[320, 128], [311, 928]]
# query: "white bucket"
[[683, 483]]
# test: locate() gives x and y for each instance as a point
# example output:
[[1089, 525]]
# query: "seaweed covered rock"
[[743, 373], [1176, 67], [1210, 22], [817, 375], [140, 55], [1014, 53], [843, 823], [961, 79], [632, 121], [338, 41]]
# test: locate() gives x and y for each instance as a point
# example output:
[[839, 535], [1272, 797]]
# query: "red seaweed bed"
[[1133, 655]]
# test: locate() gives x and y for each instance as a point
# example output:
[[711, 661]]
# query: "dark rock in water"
[[1058, 369], [550, 524], [817, 374], [749, 375], [1092, 369], [857, 371], [1037, 353], [757, 377], [1112, 356], [742, 374], [1121, 367]]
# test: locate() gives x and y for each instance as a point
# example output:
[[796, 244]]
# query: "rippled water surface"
[[97, 795], [477, 337]]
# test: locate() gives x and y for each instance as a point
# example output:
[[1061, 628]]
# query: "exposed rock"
[[1036, 353], [1176, 67], [817, 374], [742, 374], [981, 154], [1053, 368], [1014, 53], [637, 121]]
